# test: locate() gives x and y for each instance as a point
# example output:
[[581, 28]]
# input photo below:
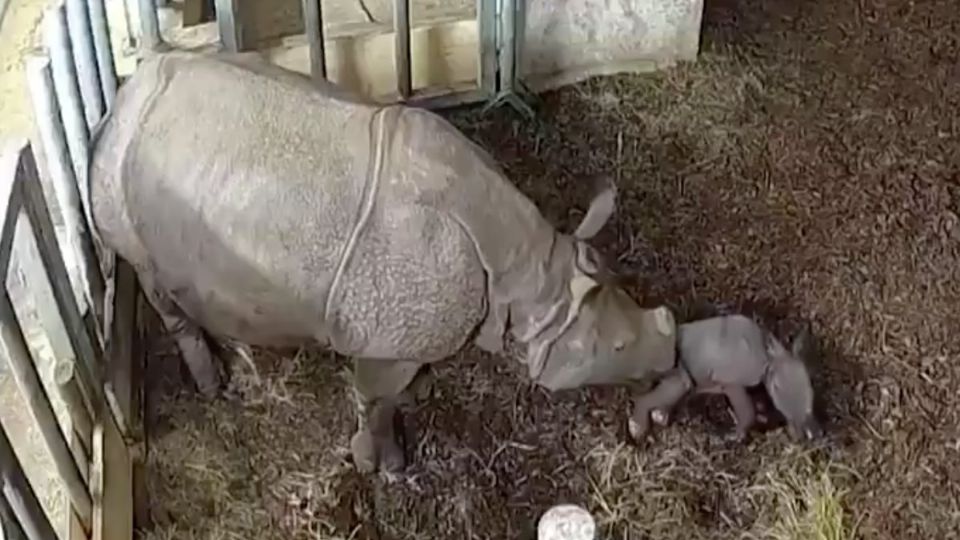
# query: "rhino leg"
[[743, 412], [668, 392], [381, 387], [188, 336]]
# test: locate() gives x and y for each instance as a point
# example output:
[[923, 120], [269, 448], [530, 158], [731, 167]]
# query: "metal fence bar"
[[401, 28], [231, 32], [149, 25], [28, 380], [85, 59], [56, 36], [47, 114], [10, 528], [487, 22], [507, 34], [86, 349], [101, 41], [313, 28], [18, 494]]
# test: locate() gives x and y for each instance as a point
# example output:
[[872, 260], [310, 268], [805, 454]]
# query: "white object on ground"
[[566, 522]]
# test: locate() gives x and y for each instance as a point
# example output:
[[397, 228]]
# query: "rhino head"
[[788, 384], [605, 337]]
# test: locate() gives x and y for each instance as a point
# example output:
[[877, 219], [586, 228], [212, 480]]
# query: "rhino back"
[[518, 247], [723, 350], [242, 188]]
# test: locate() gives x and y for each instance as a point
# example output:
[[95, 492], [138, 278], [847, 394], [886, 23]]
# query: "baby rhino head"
[[788, 383]]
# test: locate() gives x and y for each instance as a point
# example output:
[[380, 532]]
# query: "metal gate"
[[58, 294]]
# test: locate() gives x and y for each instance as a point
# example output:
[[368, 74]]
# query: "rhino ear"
[[589, 260], [803, 347], [601, 208]]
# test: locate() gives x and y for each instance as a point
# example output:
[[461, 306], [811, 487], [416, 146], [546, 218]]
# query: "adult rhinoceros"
[[261, 207]]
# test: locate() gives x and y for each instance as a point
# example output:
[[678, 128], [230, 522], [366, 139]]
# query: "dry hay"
[[804, 169]]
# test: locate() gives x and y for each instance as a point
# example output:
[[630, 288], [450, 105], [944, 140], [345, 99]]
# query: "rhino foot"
[[372, 454], [660, 417]]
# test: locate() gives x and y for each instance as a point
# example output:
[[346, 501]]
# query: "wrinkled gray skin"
[[726, 355], [261, 208]]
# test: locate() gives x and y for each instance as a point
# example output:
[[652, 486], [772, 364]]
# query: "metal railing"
[[72, 85]]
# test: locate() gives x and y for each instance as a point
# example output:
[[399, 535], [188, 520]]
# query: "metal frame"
[[72, 86]]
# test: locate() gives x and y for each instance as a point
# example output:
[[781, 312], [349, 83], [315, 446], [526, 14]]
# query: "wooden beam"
[[120, 356], [112, 483], [361, 56]]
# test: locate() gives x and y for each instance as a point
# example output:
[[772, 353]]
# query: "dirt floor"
[[805, 169]]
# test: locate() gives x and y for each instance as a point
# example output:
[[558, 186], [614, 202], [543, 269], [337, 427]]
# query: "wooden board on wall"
[[444, 55]]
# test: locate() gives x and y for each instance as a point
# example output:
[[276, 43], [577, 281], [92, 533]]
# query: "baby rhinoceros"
[[727, 355]]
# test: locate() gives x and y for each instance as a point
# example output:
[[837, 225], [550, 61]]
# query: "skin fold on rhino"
[[726, 355], [259, 207]]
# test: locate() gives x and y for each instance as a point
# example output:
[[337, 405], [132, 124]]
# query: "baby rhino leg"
[[743, 411], [663, 397]]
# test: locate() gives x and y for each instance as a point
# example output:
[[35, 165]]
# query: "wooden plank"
[[73, 397], [120, 355], [16, 490], [401, 47], [443, 56], [229, 24], [313, 29], [74, 526], [192, 12], [112, 483]]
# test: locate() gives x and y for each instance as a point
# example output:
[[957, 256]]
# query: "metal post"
[[85, 59], [313, 28], [401, 28], [228, 22], [46, 111], [25, 373], [149, 25], [507, 31], [18, 496], [10, 528], [101, 40], [56, 35], [487, 21]]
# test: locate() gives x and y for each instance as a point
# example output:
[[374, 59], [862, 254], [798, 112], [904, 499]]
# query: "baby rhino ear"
[[804, 347], [601, 208]]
